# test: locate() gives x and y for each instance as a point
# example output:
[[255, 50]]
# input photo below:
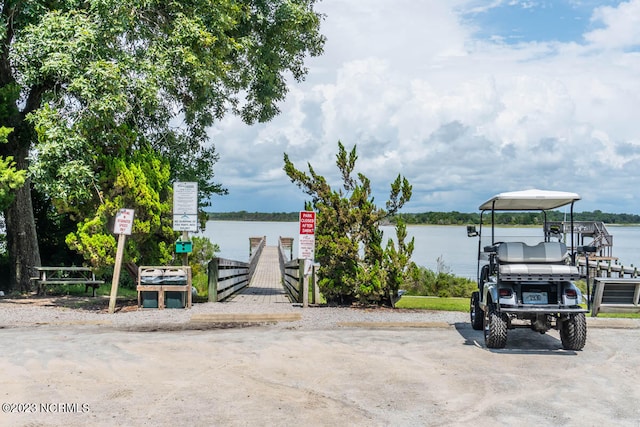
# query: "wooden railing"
[[226, 277], [293, 277], [608, 268]]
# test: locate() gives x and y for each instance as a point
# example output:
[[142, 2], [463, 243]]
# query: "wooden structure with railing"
[[227, 277], [294, 276]]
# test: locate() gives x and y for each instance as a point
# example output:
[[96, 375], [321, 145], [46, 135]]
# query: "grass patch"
[[620, 315], [434, 303], [79, 291], [462, 304]]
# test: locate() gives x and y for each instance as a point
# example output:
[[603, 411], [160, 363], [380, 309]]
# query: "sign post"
[[185, 212], [122, 227], [306, 249]]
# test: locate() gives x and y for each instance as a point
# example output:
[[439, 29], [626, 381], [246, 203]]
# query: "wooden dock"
[[266, 283]]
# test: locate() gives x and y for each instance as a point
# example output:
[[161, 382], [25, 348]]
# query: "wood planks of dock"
[[266, 283]]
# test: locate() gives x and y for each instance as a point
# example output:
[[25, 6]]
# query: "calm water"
[[449, 243]]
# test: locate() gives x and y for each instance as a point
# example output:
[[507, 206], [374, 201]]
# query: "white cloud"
[[460, 118], [621, 26]]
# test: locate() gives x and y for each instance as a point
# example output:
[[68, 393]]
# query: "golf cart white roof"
[[529, 200]]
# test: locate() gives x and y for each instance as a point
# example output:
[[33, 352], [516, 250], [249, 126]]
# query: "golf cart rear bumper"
[[542, 309]]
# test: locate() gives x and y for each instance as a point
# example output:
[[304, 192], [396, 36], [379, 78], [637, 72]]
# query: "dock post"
[[212, 270]]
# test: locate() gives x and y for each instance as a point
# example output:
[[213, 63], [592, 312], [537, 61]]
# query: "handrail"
[[227, 277], [293, 274], [291, 271], [597, 230]]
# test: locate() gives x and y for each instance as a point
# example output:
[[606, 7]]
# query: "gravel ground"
[[28, 312], [60, 311], [67, 362]]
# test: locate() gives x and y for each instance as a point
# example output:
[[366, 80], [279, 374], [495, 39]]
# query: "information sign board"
[[185, 206]]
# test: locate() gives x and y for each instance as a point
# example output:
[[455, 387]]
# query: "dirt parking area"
[[81, 375]]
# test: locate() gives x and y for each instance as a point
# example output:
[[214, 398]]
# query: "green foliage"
[[353, 264], [423, 281], [92, 87], [118, 71], [140, 183], [254, 216], [441, 218], [10, 177], [514, 218], [203, 251]]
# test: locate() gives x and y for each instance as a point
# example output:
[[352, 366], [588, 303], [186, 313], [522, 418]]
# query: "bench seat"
[[543, 252], [94, 284], [538, 272]]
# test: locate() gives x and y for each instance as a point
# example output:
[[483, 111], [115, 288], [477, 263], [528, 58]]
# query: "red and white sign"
[[307, 222], [124, 222], [307, 241]]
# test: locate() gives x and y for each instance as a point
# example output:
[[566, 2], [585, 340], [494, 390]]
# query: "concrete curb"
[[612, 323], [245, 317], [384, 325]]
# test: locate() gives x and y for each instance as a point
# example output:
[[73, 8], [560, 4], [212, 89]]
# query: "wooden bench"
[[45, 276]]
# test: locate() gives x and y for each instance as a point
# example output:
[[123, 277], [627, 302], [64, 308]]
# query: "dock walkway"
[[266, 284]]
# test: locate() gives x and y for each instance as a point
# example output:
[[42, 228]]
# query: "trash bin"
[[149, 299], [174, 299], [175, 277], [150, 277]]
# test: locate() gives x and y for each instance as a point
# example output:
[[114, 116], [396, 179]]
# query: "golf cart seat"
[[545, 261], [543, 252]]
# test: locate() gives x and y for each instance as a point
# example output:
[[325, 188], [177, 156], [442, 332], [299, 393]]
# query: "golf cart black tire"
[[573, 332], [476, 312], [495, 328]]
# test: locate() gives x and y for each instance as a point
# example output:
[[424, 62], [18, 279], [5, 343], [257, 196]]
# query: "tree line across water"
[[446, 218]]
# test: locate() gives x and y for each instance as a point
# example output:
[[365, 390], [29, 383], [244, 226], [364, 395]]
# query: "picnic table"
[[45, 276]]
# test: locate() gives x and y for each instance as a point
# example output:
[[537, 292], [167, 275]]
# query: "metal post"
[[185, 256]]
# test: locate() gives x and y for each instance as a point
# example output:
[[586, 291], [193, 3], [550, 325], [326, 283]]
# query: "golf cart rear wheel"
[[573, 332], [495, 328], [476, 312]]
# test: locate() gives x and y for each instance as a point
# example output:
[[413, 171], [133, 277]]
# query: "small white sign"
[[307, 246], [124, 222], [185, 222], [185, 206]]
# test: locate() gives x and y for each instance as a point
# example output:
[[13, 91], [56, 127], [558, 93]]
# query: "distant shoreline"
[[511, 219]]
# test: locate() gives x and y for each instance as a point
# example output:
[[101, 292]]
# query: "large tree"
[[94, 87]]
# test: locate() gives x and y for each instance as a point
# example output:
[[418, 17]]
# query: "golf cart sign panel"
[[185, 206]]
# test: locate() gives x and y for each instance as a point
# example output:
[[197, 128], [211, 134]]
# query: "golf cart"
[[528, 285]]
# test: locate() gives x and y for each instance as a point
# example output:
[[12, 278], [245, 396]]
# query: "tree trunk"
[[22, 237], [22, 240]]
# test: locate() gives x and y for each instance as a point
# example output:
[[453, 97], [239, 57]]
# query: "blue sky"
[[464, 98]]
